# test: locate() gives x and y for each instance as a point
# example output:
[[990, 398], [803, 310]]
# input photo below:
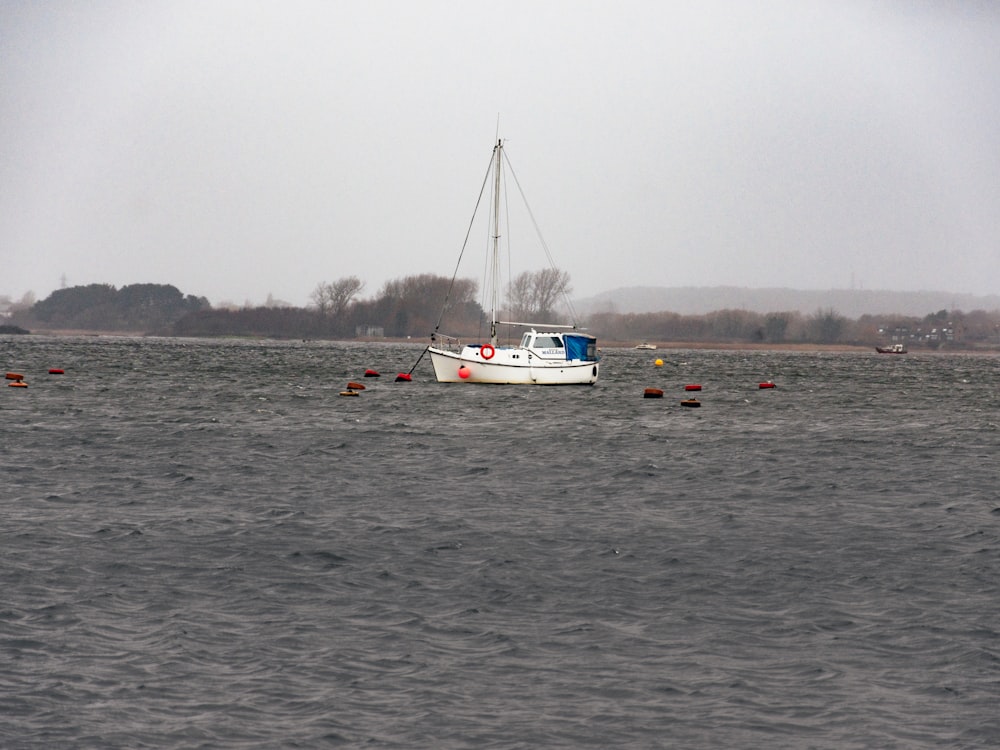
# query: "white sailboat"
[[546, 355]]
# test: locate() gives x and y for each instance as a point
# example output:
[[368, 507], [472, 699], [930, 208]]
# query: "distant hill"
[[851, 303]]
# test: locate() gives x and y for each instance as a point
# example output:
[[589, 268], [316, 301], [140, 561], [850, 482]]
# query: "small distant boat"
[[894, 349], [646, 346]]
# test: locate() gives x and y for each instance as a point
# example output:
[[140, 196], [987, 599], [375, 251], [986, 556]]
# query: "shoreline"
[[618, 345]]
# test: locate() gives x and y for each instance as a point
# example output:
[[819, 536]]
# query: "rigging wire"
[[541, 239], [510, 272], [465, 244]]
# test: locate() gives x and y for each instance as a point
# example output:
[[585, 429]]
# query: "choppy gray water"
[[204, 545]]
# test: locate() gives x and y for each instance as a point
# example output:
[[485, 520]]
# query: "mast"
[[495, 260]]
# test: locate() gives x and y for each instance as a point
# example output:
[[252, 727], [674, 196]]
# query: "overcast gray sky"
[[240, 149]]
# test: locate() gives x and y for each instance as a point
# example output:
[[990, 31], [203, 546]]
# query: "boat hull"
[[511, 367]]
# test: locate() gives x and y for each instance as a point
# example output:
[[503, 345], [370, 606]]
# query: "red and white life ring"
[[487, 351]]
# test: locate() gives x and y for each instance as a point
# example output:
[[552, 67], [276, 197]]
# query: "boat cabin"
[[568, 346]]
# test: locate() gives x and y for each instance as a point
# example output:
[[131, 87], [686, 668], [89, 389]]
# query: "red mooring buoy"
[[403, 377], [55, 371], [692, 387], [355, 386], [371, 374], [766, 384], [652, 393]]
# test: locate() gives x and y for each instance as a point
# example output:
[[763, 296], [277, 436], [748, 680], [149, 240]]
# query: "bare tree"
[[320, 297], [412, 305], [535, 293], [520, 296], [550, 285], [826, 326], [333, 298]]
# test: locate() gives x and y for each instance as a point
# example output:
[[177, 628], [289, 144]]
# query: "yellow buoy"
[[658, 363]]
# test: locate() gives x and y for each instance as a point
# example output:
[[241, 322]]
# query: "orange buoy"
[[766, 384], [652, 393], [18, 384], [692, 387], [15, 376], [371, 374], [403, 377], [691, 402], [352, 386], [55, 371]]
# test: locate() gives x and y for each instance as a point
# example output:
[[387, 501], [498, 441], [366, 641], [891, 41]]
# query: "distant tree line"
[[944, 329], [257, 322], [408, 307], [725, 326], [412, 307], [136, 307]]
